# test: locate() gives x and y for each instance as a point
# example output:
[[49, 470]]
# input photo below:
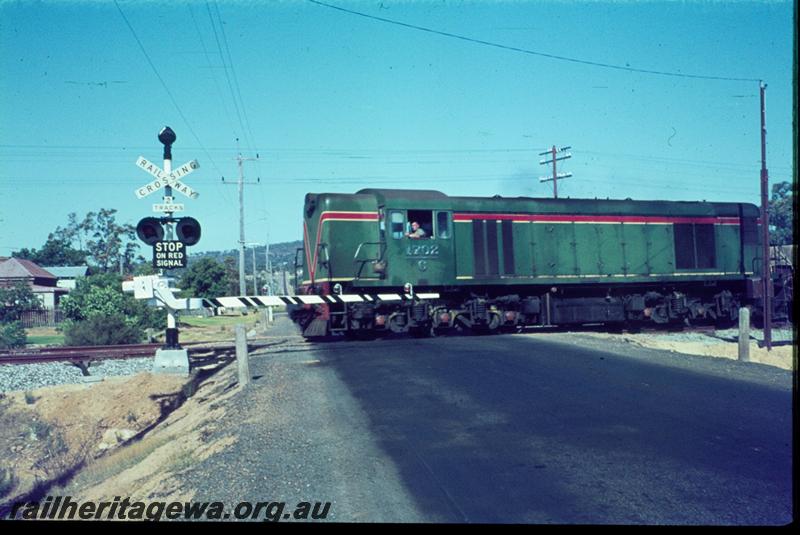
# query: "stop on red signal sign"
[[169, 255]]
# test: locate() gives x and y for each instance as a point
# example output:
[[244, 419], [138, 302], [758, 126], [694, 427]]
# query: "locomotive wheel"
[[360, 334], [441, 331], [632, 327], [420, 332], [482, 330], [725, 322]]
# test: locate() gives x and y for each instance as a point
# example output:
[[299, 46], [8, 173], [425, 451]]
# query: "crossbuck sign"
[[163, 179]]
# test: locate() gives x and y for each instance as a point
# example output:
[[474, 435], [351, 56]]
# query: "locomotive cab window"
[[695, 246], [398, 224], [424, 218], [443, 225]]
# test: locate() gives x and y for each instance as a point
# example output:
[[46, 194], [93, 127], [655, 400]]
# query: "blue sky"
[[332, 101]]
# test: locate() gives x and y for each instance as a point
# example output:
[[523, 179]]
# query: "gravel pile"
[[32, 376], [729, 335], [778, 335]]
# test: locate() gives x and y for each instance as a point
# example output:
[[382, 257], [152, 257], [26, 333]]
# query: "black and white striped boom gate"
[[282, 300], [157, 290]]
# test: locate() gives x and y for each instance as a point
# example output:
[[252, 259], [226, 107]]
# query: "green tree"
[[12, 335], [231, 276], [15, 300], [75, 231], [106, 242], [111, 243], [143, 267], [781, 214], [205, 278], [54, 252]]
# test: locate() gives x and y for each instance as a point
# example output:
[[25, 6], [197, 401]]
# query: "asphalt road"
[[510, 429]]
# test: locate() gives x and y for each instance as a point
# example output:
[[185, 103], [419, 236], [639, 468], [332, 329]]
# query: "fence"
[[41, 318]]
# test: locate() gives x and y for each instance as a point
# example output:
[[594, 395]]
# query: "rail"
[[86, 354]]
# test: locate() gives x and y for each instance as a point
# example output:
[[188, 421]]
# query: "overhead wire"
[[528, 51], [244, 120], [226, 67], [207, 57], [249, 138], [219, 188], [231, 78], [163, 83]]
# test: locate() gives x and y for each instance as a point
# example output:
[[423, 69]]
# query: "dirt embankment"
[[121, 437]]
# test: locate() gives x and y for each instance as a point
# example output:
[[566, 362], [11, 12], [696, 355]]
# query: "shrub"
[[102, 330], [58, 459], [97, 295], [102, 295], [12, 335]]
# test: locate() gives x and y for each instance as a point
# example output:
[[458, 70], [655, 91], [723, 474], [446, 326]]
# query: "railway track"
[[207, 350], [83, 356]]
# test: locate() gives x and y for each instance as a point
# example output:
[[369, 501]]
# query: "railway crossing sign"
[[164, 179]]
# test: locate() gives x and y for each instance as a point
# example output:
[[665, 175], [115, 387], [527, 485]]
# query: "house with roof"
[[43, 283], [67, 275]]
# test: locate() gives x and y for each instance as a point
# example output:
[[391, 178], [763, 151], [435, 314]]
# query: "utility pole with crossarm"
[[553, 153], [240, 159]]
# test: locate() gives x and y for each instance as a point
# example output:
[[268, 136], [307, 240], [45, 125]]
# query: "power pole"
[[268, 267], [553, 153], [267, 264], [765, 269], [240, 160], [255, 271]]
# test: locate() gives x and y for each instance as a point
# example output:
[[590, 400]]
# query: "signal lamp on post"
[[188, 230], [150, 230], [167, 137]]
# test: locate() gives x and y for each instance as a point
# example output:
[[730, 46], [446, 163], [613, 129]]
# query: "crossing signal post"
[[169, 236]]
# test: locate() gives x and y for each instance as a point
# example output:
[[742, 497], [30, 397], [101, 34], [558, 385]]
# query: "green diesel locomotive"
[[493, 264]]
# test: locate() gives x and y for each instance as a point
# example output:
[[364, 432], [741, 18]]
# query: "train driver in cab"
[[416, 232]]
